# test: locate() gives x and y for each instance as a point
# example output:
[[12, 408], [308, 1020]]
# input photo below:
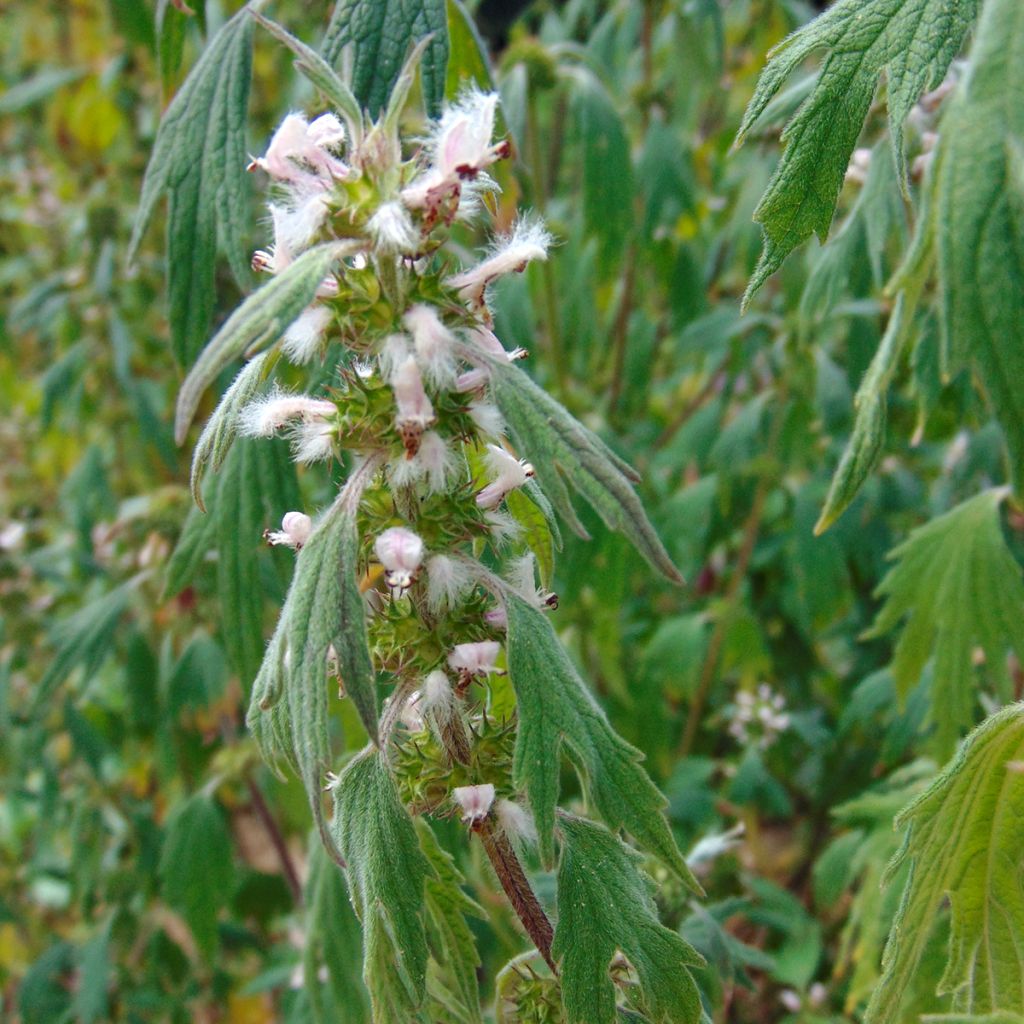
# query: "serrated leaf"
[[561, 448], [323, 609], [222, 427], [386, 874], [554, 706], [197, 868], [334, 942], [605, 905], [199, 161], [258, 322], [912, 41], [454, 956], [378, 34], [963, 843], [980, 221], [962, 589]]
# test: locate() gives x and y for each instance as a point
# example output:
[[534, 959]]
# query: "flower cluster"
[[758, 718], [415, 349]]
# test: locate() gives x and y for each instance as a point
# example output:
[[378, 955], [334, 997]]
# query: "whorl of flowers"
[[410, 338]]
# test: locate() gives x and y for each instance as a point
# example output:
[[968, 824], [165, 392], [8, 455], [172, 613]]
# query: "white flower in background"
[[474, 801], [508, 474], [529, 241], [516, 820], [475, 659], [758, 718], [433, 344], [400, 551], [302, 340], [448, 582], [392, 229], [710, 848], [415, 413], [12, 536], [295, 530], [265, 416]]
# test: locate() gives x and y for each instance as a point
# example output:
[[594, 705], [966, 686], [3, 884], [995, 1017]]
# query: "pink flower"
[[433, 343], [267, 415], [400, 551], [529, 241], [300, 153], [475, 801], [415, 413], [475, 659], [295, 530], [509, 473]]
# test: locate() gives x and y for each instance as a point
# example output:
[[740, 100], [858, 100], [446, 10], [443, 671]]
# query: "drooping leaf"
[[561, 449], [323, 610], [378, 33], [333, 941], [386, 874], [452, 972], [604, 905], [536, 530], [196, 866], [912, 41], [199, 161], [257, 323], [962, 589], [554, 705], [980, 221], [964, 843]]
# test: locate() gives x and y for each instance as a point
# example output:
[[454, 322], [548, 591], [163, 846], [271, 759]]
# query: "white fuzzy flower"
[[267, 415], [302, 340], [438, 461], [300, 154], [529, 241], [433, 343], [393, 353], [313, 442], [474, 801], [508, 472], [472, 380], [475, 659], [437, 690], [415, 413], [392, 229], [295, 530], [296, 226], [496, 617], [503, 528], [517, 821], [448, 582], [400, 551], [487, 418]]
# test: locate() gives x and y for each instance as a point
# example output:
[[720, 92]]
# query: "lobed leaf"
[[378, 33], [561, 449], [555, 705], [258, 322], [199, 161], [962, 589], [605, 905], [386, 873], [964, 842], [912, 41], [980, 221]]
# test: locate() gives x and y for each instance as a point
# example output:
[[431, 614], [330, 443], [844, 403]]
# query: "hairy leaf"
[[964, 842], [378, 33], [529, 514], [194, 541], [913, 41], [558, 444], [980, 221], [555, 705], [962, 589], [605, 905], [199, 161], [386, 874], [197, 867]]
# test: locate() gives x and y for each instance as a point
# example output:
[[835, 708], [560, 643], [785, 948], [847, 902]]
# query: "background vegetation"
[[151, 868]]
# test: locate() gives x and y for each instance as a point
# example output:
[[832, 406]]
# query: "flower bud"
[[400, 551], [295, 530]]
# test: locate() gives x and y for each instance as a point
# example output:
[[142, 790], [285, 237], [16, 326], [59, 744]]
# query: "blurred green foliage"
[[151, 868]]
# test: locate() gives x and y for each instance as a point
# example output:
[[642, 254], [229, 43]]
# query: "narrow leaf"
[[605, 905]]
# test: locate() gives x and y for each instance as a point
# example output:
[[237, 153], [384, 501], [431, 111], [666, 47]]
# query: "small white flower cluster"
[[758, 718]]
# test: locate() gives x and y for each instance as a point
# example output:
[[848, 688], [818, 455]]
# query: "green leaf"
[[199, 161], [222, 427], [964, 842], [912, 41], [91, 1001], [257, 323], [452, 973], [605, 905], [379, 33], [980, 221], [557, 444], [39, 87], [555, 705], [197, 870], [530, 515], [961, 588], [334, 941], [386, 874], [323, 609], [467, 58]]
